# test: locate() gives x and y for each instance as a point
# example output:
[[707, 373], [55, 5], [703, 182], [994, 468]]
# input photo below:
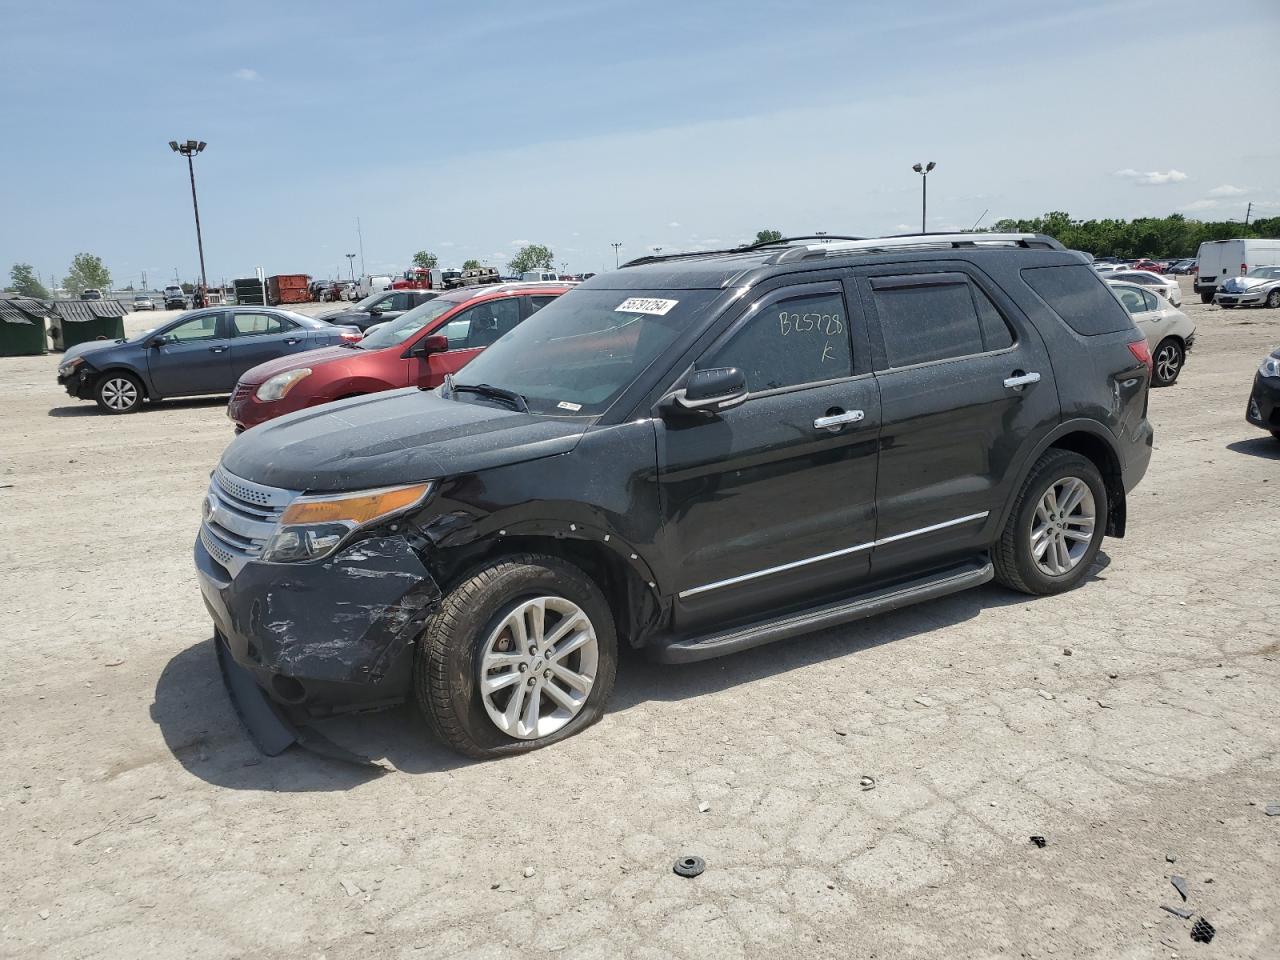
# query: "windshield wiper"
[[490, 392]]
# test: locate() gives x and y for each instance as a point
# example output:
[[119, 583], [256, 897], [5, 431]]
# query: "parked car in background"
[[1264, 401], [379, 307], [549, 276], [174, 298], [1182, 267], [1259, 287], [1154, 266], [1167, 287], [1170, 333], [90, 293], [1220, 259], [203, 352], [693, 456], [417, 349], [143, 302], [368, 285]]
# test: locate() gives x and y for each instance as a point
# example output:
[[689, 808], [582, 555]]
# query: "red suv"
[[416, 349]]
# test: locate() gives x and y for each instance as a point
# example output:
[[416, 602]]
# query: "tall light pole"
[[924, 191], [615, 254], [189, 150], [351, 262]]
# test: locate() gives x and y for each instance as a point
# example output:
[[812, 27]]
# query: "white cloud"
[[247, 74], [1201, 205], [673, 224], [1152, 178], [447, 243], [520, 243], [1226, 190]]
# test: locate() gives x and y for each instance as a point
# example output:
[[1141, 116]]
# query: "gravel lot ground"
[[1131, 722]]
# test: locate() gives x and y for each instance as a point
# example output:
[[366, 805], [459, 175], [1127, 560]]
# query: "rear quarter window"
[[1079, 297]]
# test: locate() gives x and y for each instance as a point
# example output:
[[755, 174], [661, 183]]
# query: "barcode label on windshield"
[[651, 305]]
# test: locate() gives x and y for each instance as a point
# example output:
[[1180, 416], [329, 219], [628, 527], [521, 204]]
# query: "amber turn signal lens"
[[358, 509]]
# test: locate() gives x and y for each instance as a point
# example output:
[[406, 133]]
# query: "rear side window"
[[926, 317], [1077, 295], [790, 342]]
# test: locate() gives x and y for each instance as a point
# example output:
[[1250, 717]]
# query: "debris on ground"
[[1182, 912], [1045, 694], [1202, 931], [113, 663], [350, 886], [1066, 651], [924, 701], [529, 872], [1169, 857], [1272, 810], [1180, 885], [1039, 841], [867, 783], [704, 806], [690, 866]]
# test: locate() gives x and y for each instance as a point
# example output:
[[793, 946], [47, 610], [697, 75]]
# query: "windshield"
[[576, 355], [1265, 273], [369, 301], [406, 325]]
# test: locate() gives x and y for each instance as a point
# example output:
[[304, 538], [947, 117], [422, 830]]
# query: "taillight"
[[1244, 268], [351, 337], [1142, 353]]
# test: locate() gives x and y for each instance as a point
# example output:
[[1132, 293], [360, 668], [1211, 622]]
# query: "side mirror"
[[712, 390], [156, 342], [430, 345]]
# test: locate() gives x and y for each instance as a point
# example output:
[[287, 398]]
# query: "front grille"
[[241, 393], [239, 518]]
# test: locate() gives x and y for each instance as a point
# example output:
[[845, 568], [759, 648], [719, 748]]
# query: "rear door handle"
[[1020, 380], [216, 349], [837, 420], [292, 340]]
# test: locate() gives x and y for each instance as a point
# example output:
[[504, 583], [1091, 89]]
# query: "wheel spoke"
[[1082, 536], [572, 644], [1051, 499], [562, 629], [1072, 499], [515, 623], [515, 706], [501, 681], [562, 697], [536, 620], [533, 709], [493, 661], [571, 677], [1064, 555]]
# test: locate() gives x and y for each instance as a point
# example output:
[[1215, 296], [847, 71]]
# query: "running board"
[[950, 580]]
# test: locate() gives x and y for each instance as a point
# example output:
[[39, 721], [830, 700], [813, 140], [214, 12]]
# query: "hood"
[[89, 349], [338, 316], [401, 436], [1241, 284], [308, 358]]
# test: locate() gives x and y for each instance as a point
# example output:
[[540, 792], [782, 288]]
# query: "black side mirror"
[[156, 342], [720, 388]]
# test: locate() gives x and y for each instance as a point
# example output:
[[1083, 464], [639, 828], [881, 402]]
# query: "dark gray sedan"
[[201, 352]]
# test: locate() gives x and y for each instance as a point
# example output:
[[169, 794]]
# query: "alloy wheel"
[[538, 666], [119, 393], [1063, 526], [1168, 363]]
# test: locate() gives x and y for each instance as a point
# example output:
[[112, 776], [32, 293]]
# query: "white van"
[[539, 275], [1219, 259], [370, 285]]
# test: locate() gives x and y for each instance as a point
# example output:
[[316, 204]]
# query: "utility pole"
[[351, 260], [924, 192], [189, 150], [360, 236], [1248, 213], [615, 254]]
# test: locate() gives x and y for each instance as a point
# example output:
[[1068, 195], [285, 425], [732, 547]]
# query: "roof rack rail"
[[685, 254], [930, 239], [822, 237]]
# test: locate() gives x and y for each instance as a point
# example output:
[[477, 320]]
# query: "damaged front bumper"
[[325, 637]]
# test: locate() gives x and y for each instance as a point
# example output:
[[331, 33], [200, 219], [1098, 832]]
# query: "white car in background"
[[1259, 287], [1167, 287], [1170, 333]]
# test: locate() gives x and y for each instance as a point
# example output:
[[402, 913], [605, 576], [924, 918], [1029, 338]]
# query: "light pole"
[[351, 262], [924, 191], [189, 150], [615, 254]]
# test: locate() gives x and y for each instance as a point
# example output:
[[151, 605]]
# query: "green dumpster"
[[22, 332], [95, 328], [79, 321]]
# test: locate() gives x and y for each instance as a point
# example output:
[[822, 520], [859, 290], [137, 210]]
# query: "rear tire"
[[1060, 559], [1273, 299], [1206, 298], [468, 636], [117, 392], [1166, 362]]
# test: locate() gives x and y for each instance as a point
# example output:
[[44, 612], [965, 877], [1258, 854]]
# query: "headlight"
[[314, 527], [1270, 367], [276, 387], [70, 366]]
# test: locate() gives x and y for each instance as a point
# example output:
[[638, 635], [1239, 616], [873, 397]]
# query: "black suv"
[[694, 454]]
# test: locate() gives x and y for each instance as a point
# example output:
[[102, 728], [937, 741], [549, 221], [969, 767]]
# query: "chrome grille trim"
[[240, 516]]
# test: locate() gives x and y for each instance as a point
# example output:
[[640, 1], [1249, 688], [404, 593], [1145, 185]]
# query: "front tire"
[[522, 653], [1167, 362], [118, 392], [1055, 528], [1273, 298], [1206, 297]]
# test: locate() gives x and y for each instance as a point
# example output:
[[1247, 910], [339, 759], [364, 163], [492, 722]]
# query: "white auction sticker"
[[651, 305], [566, 405]]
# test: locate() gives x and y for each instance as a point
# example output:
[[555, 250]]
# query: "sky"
[[470, 129]]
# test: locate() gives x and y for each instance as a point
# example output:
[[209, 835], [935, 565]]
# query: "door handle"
[[216, 349], [837, 420], [292, 340], [1020, 380]]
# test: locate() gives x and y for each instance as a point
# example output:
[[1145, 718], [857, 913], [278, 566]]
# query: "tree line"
[[86, 271], [1164, 237]]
